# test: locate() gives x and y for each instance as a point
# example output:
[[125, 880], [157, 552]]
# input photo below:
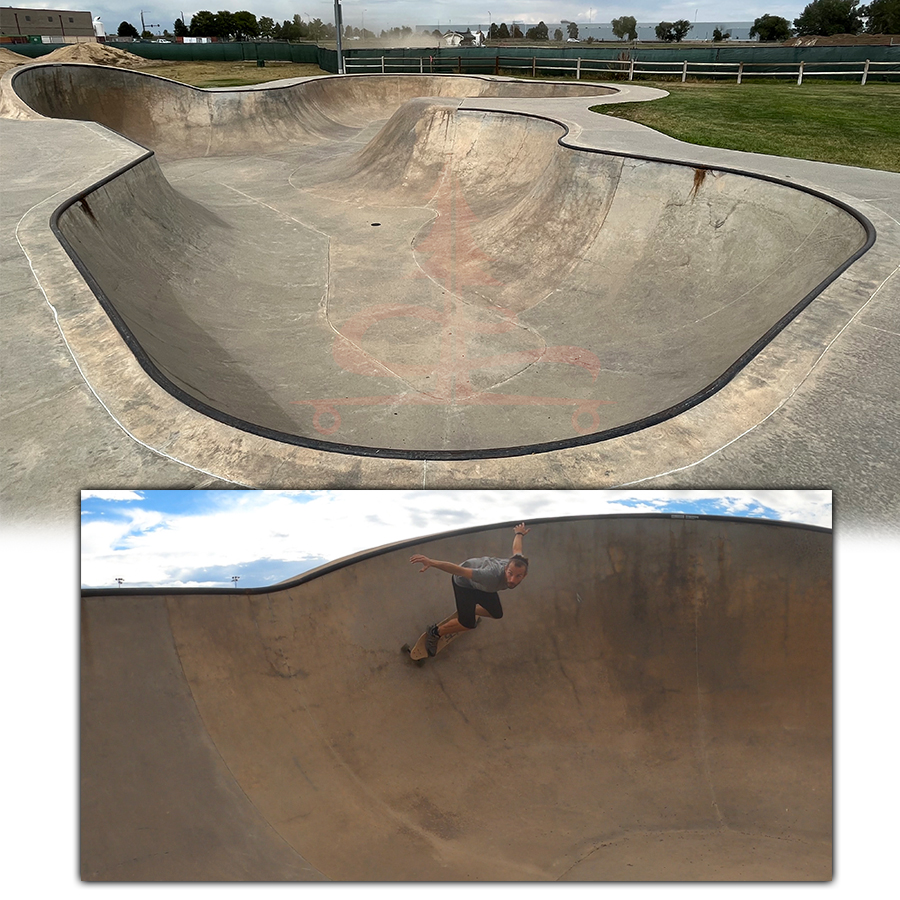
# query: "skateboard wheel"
[[405, 648]]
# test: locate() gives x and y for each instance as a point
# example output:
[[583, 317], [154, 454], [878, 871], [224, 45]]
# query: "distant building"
[[50, 26]]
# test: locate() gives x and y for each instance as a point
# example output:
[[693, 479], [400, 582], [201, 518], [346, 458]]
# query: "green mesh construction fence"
[[213, 52], [585, 62]]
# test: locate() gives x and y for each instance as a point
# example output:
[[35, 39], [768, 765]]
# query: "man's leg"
[[468, 606], [454, 626]]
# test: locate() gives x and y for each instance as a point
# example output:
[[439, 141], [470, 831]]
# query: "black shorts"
[[468, 598]]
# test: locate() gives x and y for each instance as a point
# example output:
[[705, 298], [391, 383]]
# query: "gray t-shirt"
[[488, 574]]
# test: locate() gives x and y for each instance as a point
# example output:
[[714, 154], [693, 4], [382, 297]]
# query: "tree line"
[[240, 26], [243, 25], [827, 17], [820, 17]]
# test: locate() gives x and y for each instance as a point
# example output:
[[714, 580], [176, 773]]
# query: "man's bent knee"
[[467, 622], [484, 613]]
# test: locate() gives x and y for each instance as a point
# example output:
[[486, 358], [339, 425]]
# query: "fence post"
[[800, 74], [684, 72], [740, 72], [534, 67], [459, 64], [421, 65], [496, 65], [865, 72], [578, 69], [382, 65], [631, 71]]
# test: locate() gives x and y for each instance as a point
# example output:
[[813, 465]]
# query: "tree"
[[673, 31], [572, 28], [558, 34], [626, 26], [827, 17], [225, 26], [266, 27], [244, 25], [771, 28], [517, 32], [181, 30], [503, 32], [539, 32], [883, 16], [681, 28], [126, 29], [317, 30], [203, 24], [719, 35]]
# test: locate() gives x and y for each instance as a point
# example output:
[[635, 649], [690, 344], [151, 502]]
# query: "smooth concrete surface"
[[655, 704], [816, 405]]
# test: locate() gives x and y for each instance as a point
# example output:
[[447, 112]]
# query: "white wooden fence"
[[630, 68]]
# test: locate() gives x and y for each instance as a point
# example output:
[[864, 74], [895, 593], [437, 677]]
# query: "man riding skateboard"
[[475, 584]]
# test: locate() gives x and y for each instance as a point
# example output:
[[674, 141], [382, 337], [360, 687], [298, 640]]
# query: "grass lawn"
[[835, 122], [229, 74]]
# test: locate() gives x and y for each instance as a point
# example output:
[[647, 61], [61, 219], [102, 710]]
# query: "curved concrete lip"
[[655, 704], [765, 399]]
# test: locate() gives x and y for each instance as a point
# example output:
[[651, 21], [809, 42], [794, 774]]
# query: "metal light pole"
[[235, 579], [339, 27]]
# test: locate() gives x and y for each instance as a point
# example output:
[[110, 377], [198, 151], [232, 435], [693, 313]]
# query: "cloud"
[[111, 495], [211, 535]]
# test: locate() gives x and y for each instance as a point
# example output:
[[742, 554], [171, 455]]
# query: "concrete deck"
[[311, 293], [655, 704]]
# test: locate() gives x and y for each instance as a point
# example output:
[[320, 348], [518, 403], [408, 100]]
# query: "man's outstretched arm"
[[521, 531], [448, 567]]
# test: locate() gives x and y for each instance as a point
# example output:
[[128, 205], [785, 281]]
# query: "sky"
[[385, 14], [205, 538]]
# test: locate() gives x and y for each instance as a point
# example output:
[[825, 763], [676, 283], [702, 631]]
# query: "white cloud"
[[236, 528], [111, 495]]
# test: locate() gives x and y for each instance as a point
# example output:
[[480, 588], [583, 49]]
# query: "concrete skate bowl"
[[655, 704], [373, 265]]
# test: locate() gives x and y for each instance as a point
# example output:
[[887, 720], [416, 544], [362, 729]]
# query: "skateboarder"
[[475, 584]]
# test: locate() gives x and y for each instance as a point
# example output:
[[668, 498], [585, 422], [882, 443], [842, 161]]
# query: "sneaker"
[[431, 641]]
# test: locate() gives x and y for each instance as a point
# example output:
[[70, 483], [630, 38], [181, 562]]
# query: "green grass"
[[848, 124]]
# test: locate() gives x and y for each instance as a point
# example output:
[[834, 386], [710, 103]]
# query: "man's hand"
[[424, 560], [448, 567], [521, 531]]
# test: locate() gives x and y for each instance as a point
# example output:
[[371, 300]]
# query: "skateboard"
[[419, 655]]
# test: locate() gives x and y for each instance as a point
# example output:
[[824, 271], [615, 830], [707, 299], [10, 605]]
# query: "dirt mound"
[[101, 54], [843, 40], [10, 59]]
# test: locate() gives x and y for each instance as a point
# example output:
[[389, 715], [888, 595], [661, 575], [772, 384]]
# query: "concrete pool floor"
[[814, 407]]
